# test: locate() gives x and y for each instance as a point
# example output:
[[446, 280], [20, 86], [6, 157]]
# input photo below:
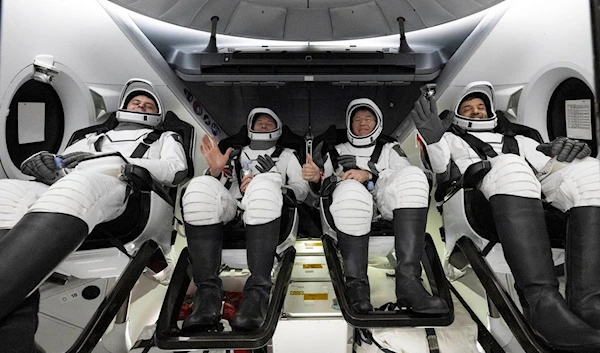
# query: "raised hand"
[[265, 164], [565, 149], [425, 116], [310, 170], [214, 158]]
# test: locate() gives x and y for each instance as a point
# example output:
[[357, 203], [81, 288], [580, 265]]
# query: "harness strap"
[[141, 149]]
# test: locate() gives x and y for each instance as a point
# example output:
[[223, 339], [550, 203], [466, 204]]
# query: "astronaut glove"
[[347, 161], [42, 166], [71, 160], [319, 156], [425, 116], [565, 149], [266, 164]]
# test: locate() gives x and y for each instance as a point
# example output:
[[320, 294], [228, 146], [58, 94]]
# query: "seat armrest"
[[289, 198], [469, 180], [474, 174], [140, 177]]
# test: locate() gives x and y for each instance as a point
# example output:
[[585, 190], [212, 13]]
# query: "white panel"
[[31, 122]]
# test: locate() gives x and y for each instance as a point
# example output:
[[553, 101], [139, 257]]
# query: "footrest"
[[169, 335], [397, 318]]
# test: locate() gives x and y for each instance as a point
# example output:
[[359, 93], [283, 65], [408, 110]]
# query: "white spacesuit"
[[211, 201], [401, 194], [40, 224], [514, 186]]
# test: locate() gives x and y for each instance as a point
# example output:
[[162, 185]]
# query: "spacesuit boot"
[[409, 235], [521, 227], [583, 264], [261, 243], [31, 250], [205, 244], [17, 330], [355, 253]]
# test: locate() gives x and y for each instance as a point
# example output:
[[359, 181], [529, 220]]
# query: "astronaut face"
[[473, 108], [142, 104], [264, 123], [363, 122]]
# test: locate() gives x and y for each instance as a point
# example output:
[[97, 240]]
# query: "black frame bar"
[[503, 302], [103, 316]]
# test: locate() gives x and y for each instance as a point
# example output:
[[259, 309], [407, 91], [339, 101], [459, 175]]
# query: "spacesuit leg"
[[262, 203], [55, 225], [576, 190], [16, 198], [352, 211], [406, 192], [521, 227], [207, 205]]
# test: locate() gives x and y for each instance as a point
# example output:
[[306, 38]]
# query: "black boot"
[[355, 254], [522, 231], [583, 264], [32, 249], [261, 243], [205, 244], [17, 329], [409, 234]]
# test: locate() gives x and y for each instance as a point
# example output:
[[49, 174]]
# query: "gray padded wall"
[[290, 20]]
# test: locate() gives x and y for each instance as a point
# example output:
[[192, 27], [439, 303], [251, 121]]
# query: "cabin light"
[[44, 69]]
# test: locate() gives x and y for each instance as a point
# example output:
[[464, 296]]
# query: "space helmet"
[[368, 140], [485, 91], [263, 136], [136, 87]]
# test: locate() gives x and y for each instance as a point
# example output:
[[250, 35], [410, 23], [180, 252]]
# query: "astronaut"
[[522, 169], [250, 179], [43, 221], [401, 193]]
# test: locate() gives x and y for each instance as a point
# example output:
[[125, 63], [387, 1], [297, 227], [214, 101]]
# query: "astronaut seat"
[[471, 240], [168, 332], [381, 244], [138, 239]]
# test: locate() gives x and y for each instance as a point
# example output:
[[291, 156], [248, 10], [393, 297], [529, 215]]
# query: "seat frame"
[[453, 201], [382, 229], [143, 250]]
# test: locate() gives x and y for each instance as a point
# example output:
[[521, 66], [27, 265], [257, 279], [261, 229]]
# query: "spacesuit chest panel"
[[125, 141]]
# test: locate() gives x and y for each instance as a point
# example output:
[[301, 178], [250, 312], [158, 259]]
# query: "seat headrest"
[[288, 139], [334, 136], [170, 123], [504, 125]]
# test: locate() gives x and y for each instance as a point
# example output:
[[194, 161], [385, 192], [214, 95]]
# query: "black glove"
[[71, 160], [42, 167], [565, 149], [425, 117], [348, 162], [265, 163], [318, 156]]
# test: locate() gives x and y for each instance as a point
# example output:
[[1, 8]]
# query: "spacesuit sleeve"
[[440, 154], [527, 149], [397, 157], [171, 167], [294, 177], [84, 145]]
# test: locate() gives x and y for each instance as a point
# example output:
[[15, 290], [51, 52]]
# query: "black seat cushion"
[[288, 139]]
